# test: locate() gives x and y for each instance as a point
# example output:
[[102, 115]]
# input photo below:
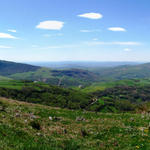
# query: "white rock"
[[50, 118]]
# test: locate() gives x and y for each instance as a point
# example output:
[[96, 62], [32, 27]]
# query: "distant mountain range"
[[74, 77], [81, 64]]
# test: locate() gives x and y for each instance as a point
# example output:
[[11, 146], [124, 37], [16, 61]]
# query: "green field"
[[16, 84], [109, 84], [26, 126]]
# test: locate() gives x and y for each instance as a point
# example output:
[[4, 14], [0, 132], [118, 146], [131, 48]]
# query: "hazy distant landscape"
[[74, 75], [81, 64]]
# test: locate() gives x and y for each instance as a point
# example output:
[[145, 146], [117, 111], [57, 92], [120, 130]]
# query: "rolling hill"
[[8, 68], [73, 77], [126, 72], [65, 78]]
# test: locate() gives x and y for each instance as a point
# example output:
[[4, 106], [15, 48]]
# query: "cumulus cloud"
[[12, 30], [50, 25], [117, 29], [7, 36], [2, 46], [91, 15]]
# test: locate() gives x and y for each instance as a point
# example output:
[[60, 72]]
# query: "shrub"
[[35, 125]]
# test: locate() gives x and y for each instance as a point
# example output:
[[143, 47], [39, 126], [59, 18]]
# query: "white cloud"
[[50, 25], [91, 15], [7, 36], [117, 29], [12, 30], [127, 49], [130, 43], [2, 46], [126, 43], [87, 31]]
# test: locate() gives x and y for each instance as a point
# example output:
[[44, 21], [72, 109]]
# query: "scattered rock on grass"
[[57, 118], [132, 119], [50, 118], [32, 116], [80, 119], [18, 115]]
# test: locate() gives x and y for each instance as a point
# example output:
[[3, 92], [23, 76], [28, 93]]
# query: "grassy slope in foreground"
[[26, 126]]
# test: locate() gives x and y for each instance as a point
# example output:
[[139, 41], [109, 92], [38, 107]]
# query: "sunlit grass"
[[64, 131]]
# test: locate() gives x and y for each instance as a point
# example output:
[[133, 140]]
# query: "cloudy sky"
[[72, 30]]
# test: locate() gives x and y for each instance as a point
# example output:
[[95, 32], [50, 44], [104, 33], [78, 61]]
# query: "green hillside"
[[121, 96], [41, 93], [100, 86], [84, 78], [125, 72], [8, 68], [88, 90], [65, 78], [26, 126], [73, 77]]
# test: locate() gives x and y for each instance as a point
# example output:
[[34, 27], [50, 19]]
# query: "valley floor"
[[25, 126]]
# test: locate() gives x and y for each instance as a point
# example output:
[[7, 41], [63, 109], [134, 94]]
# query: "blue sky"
[[72, 30]]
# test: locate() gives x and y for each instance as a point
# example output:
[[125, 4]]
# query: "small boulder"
[[57, 118], [50, 118], [32, 116], [80, 119], [17, 115]]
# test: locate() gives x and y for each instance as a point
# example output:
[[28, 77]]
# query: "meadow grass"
[[26, 126]]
